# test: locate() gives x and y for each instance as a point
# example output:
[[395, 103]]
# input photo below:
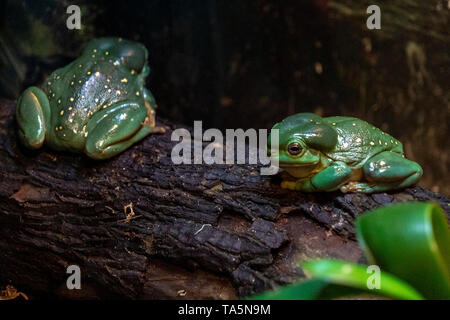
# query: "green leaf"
[[313, 289], [336, 279], [409, 242], [412, 241], [306, 290], [360, 277]]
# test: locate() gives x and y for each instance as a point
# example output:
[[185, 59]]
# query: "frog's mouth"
[[291, 164], [308, 158]]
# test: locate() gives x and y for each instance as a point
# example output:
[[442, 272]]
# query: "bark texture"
[[140, 227]]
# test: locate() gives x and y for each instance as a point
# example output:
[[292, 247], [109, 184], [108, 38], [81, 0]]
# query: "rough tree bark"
[[140, 227]]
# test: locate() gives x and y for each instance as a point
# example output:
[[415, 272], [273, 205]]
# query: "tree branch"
[[141, 227]]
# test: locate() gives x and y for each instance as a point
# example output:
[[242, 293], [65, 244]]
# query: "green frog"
[[340, 153], [97, 104]]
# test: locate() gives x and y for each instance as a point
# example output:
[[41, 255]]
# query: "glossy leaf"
[[360, 277], [337, 279], [313, 289], [412, 241]]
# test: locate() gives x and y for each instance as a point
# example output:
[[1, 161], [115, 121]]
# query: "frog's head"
[[131, 54], [302, 138]]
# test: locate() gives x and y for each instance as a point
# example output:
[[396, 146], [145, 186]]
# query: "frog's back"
[[79, 90], [359, 140]]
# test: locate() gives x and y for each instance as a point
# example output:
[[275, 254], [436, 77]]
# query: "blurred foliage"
[[251, 63], [409, 243]]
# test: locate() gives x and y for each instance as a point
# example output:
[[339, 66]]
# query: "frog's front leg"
[[387, 171], [329, 179], [116, 128], [33, 114]]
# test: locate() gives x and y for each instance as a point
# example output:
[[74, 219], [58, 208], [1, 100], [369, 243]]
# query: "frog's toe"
[[356, 187]]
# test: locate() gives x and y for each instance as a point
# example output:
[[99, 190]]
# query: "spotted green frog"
[[340, 153], [97, 104]]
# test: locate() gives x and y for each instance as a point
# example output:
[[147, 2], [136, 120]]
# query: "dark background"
[[242, 64]]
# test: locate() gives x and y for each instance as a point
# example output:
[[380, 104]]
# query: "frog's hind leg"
[[32, 115], [387, 171], [116, 128]]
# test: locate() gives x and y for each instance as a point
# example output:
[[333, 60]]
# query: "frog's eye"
[[294, 148]]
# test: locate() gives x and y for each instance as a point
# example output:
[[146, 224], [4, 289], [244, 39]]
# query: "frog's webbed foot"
[[354, 186], [32, 114], [368, 187]]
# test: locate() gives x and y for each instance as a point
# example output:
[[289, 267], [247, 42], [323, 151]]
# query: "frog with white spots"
[[97, 104], [340, 153]]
